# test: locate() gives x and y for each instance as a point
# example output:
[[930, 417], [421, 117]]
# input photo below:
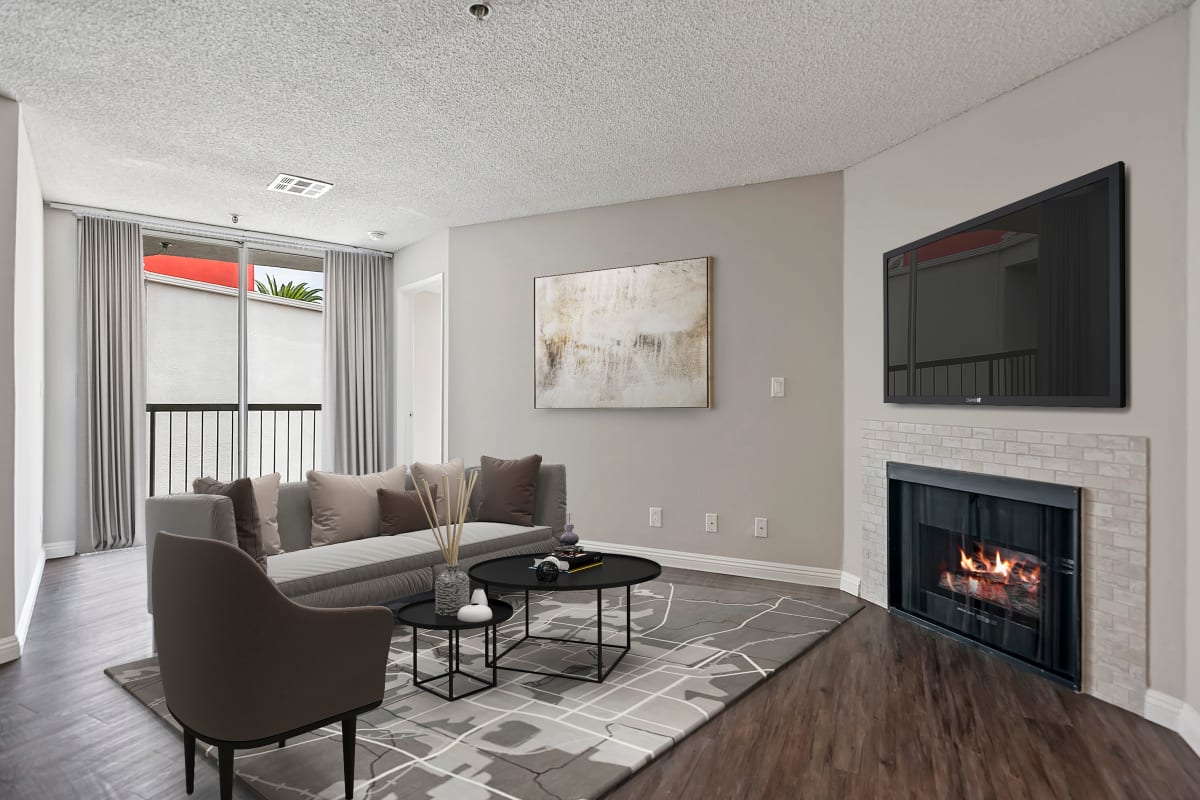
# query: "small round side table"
[[421, 616]]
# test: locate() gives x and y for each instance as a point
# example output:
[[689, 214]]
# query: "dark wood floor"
[[883, 708], [878, 709]]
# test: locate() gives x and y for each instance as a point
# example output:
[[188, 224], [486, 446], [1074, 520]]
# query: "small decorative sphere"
[[569, 538], [547, 572]]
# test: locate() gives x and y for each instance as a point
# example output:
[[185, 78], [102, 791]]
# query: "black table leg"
[[495, 647], [452, 661], [414, 638], [628, 617], [599, 637]]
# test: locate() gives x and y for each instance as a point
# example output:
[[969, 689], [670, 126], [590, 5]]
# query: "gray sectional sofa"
[[365, 571]]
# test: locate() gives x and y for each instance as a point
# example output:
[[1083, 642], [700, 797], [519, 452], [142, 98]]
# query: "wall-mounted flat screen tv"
[[1021, 306]]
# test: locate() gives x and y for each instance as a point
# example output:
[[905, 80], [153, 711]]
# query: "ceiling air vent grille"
[[303, 187]]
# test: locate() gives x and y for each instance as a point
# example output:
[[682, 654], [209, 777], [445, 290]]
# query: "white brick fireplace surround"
[[1112, 472]]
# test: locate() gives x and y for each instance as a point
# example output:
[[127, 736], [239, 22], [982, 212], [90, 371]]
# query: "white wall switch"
[[760, 527], [710, 523], [778, 386], [655, 517]]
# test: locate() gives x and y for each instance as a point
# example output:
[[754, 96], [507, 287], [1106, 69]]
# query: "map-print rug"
[[696, 649]]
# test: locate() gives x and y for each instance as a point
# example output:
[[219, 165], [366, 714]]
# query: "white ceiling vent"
[[304, 187]]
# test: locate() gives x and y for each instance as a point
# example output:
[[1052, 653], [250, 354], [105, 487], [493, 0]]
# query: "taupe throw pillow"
[[401, 512], [508, 489], [346, 507], [266, 494], [245, 513], [446, 478]]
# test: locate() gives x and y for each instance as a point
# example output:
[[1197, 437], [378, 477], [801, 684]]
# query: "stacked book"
[[572, 560]]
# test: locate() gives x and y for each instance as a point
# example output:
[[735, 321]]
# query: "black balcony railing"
[[190, 440]]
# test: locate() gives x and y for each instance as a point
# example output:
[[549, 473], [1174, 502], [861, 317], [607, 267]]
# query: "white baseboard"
[[59, 549], [745, 567], [850, 583], [10, 649], [35, 583], [1173, 713]]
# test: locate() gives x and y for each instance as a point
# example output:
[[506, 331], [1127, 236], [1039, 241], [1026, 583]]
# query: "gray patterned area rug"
[[695, 650]]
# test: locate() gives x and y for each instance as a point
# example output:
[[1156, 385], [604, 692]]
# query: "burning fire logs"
[[1011, 583]]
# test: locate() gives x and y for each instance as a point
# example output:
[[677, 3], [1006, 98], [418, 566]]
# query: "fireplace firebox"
[[989, 560]]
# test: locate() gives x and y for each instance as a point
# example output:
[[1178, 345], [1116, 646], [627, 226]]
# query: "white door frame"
[[404, 364]]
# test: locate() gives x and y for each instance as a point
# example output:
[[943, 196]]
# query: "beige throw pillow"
[[446, 478], [346, 507], [266, 494]]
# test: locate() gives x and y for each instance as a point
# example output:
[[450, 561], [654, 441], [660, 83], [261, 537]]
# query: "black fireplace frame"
[[1049, 494]]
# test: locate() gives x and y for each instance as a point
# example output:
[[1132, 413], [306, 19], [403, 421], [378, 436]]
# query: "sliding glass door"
[[234, 366]]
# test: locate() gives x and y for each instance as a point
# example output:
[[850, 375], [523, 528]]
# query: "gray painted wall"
[[28, 301], [1124, 102], [10, 120], [1193, 350], [416, 264], [63, 469], [776, 250]]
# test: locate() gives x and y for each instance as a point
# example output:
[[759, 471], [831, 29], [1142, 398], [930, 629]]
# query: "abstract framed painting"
[[627, 337]]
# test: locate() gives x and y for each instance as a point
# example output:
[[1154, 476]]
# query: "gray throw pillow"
[[401, 512], [245, 513], [508, 489], [445, 478]]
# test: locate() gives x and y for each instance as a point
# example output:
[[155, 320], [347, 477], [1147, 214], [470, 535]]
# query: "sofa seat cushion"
[[305, 572]]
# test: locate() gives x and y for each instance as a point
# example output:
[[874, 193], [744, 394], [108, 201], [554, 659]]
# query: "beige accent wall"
[[777, 307], [1124, 102]]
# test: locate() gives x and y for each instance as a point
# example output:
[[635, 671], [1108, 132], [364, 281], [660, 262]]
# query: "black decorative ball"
[[547, 572]]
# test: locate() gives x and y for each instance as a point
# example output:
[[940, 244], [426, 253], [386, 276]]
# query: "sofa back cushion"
[[345, 507], [549, 509], [295, 517]]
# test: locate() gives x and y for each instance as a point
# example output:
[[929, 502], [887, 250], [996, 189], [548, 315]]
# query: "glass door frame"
[[243, 304]]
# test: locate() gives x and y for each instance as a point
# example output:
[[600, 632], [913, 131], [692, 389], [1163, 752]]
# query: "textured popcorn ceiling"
[[422, 117]]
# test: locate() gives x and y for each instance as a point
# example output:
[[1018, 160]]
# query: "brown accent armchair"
[[243, 666]]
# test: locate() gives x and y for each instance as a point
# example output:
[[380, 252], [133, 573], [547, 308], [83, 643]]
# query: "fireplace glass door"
[[997, 569]]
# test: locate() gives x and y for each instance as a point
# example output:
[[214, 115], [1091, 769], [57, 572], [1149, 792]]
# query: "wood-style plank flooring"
[[879, 709]]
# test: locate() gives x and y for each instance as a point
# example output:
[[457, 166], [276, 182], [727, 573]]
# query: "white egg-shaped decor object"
[[474, 613], [479, 597]]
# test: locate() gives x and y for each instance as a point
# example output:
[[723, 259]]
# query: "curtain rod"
[[216, 231]]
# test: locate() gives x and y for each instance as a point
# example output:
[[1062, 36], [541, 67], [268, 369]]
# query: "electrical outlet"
[[710, 523], [655, 517], [778, 387], [760, 527]]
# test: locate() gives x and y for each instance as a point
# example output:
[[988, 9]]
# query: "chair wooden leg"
[[282, 743], [349, 733], [225, 767], [189, 760]]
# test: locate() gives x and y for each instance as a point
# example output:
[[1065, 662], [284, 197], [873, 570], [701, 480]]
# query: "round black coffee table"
[[421, 616], [514, 572]]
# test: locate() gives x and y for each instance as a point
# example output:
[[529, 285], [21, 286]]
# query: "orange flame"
[[1001, 568]]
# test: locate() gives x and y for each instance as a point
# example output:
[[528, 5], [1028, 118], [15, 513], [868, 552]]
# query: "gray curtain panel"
[[113, 354], [357, 415]]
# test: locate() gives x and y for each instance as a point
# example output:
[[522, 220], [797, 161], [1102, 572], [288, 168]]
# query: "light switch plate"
[[778, 387], [655, 517], [760, 527], [710, 523]]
